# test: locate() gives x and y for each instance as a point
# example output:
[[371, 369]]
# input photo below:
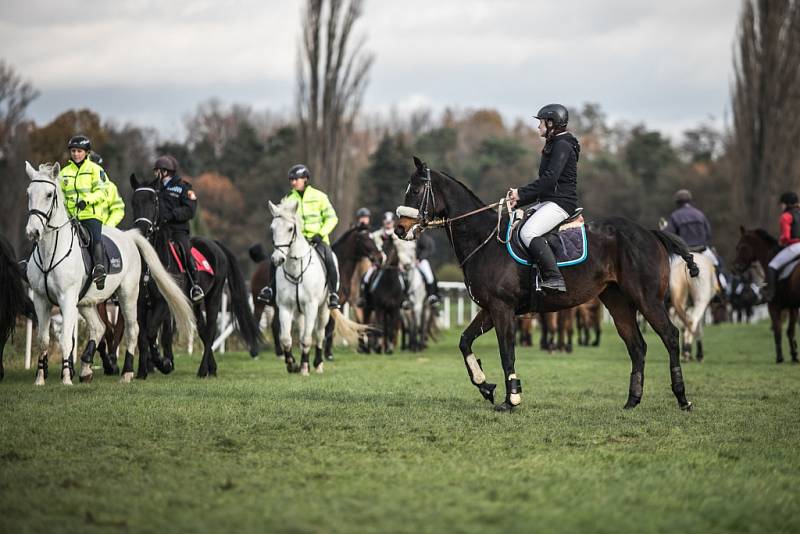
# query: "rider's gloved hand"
[[81, 205], [316, 239]]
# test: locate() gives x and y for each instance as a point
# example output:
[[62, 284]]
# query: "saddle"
[[199, 260], [567, 240], [112, 257]]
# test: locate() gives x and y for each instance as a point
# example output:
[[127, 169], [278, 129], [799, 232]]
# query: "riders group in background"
[[319, 220]]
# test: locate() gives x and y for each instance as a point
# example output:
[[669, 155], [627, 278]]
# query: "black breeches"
[[95, 229], [325, 251]]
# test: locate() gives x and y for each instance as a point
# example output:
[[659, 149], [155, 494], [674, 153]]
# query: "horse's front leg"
[[286, 315], [790, 330], [504, 327], [69, 314], [310, 314], [43, 333], [481, 324]]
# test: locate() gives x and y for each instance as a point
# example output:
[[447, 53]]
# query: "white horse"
[[300, 291], [57, 275], [701, 290]]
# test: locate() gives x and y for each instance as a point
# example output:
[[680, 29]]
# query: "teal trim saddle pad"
[[569, 243]]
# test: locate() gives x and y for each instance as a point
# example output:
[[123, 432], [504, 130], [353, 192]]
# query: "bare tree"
[[15, 96], [332, 75], [766, 104]]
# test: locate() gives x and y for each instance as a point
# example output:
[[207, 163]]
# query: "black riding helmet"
[[362, 212], [168, 163], [299, 171], [556, 113], [789, 198], [80, 141]]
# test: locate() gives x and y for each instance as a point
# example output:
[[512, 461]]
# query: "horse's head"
[[45, 201], [419, 205], [144, 203], [285, 229], [753, 246], [366, 247]]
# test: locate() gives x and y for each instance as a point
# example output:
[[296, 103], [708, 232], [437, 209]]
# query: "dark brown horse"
[[628, 267], [759, 246]]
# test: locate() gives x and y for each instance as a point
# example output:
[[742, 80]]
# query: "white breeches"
[[548, 215], [425, 269], [711, 256], [785, 256]]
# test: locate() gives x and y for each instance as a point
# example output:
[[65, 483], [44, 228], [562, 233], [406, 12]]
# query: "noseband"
[[45, 216]]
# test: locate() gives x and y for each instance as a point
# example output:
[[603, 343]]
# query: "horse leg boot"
[[543, 255], [267, 293], [196, 292], [480, 324], [332, 272]]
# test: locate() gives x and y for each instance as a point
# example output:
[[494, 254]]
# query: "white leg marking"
[[86, 369], [319, 368], [65, 378], [304, 369], [477, 372], [126, 378], [39, 378]]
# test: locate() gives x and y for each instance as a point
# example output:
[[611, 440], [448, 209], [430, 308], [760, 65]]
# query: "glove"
[[81, 205], [316, 239]]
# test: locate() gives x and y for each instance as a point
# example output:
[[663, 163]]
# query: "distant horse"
[[744, 296], [590, 318], [525, 330], [57, 276], [627, 265], [699, 290], [758, 246], [14, 299], [301, 291], [557, 330], [155, 316], [386, 300]]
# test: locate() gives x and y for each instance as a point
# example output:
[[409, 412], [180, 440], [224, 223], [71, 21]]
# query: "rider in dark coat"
[[177, 205], [555, 192]]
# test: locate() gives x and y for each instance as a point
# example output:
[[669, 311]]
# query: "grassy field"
[[405, 444]]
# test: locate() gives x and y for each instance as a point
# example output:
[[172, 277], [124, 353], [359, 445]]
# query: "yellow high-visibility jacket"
[[317, 213], [86, 183], [115, 207]]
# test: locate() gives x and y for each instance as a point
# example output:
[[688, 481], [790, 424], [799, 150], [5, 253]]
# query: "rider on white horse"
[[319, 219], [789, 239], [82, 182]]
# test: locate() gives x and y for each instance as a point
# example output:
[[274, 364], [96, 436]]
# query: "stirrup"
[[333, 301], [196, 293], [266, 297], [99, 276]]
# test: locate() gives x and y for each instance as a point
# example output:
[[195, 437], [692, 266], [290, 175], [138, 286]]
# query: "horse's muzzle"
[[278, 259], [407, 228]]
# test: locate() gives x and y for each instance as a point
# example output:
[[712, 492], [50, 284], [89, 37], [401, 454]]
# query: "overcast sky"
[[667, 64]]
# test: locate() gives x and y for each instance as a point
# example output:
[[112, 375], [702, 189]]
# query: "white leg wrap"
[[477, 372], [39, 378], [86, 369], [514, 398]]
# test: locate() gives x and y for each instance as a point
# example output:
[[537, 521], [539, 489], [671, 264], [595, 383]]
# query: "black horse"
[[385, 302], [14, 298], [628, 267], [153, 312]]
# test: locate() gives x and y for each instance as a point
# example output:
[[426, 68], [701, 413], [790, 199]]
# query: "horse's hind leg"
[[776, 319], [97, 330], [481, 324], [43, 335], [656, 314], [790, 331], [623, 311], [328, 342]]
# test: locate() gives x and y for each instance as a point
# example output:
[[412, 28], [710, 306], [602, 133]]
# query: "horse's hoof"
[[86, 378], [630, 405], [687, 407], [126, 377], [795, 360], [329, 357], [487, 390], [505, 406], [66, 381], [318, 369], [778, 360]]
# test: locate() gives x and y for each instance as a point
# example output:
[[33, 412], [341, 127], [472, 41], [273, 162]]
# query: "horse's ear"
[[29, 170], [56, 171], [272, 208], [419, 164], [742, 231], [134, 181]]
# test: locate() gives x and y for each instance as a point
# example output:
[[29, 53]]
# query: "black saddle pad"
[[113, 259], [569, 245]]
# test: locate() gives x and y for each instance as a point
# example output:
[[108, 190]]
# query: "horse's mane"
[[765, 236], [467, 189], [344, 236]]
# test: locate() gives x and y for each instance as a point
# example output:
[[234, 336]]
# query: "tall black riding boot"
[[772, 283], [267, 293], [541, 253], [99, 270], [333, 275], [196, 292]]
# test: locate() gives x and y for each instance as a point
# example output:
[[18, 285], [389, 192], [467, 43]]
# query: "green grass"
[[406, 444]]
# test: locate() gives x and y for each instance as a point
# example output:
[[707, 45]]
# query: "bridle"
[[151, 225], [45, 216], [424, 214]]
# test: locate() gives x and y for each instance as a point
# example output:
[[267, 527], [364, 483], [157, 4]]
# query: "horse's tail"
[[257, 253], [344, 328], [178, 302], [248, 327], [676, 245], [14, 298]]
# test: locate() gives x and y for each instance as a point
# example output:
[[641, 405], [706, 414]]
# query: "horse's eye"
[[49, 195]]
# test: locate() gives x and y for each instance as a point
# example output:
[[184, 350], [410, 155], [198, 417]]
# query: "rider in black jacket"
[[555, 192], [177, 204]]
